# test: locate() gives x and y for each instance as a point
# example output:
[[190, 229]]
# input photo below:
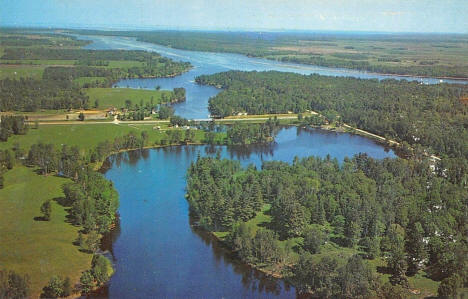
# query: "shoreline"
[[102, 168], [303, 64], [375, 73], [272, 274], [306, 64]]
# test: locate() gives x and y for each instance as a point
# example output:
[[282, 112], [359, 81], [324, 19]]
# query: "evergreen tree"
[[46, 210]]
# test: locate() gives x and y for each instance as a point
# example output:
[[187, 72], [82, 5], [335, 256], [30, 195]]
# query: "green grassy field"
[[42, 249], [39, 248], [87, 136], [115, 97], [19, 71]]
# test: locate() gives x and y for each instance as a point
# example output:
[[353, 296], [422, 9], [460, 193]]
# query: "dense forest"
[[392, 209], [431, 115], [28, 94]]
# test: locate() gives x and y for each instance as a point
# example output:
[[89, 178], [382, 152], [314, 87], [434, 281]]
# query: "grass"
[[18, 71], [42, 249], [39, 248], [87, 136], [116, 97]]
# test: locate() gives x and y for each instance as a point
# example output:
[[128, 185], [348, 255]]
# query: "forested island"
[[301, 220], [326, 226]]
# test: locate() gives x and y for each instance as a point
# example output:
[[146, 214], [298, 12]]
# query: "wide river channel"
[[155, 250]]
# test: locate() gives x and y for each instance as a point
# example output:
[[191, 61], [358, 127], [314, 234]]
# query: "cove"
[[196, 105], [155, 250]]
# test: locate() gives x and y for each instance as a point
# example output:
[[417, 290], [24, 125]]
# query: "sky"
[[335, 15]]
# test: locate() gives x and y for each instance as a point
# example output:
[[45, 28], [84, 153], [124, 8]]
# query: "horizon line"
[[205, 29]]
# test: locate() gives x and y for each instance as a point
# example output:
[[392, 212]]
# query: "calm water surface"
[[158, 254]]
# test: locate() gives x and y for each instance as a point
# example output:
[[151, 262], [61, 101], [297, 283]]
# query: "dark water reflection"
[[158, 254]]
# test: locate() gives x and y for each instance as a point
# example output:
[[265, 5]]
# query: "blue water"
[[157, 254], [196, 105]]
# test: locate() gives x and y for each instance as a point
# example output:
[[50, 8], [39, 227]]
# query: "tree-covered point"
[[180, 94], [431, 115], [394, 209], [244, 133]]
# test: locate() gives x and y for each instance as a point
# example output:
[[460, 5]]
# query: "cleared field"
[[39, 248], [116, 97], [19, 71], [87, 136], [83, 136]]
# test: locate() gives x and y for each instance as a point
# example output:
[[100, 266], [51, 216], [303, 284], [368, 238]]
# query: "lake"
[[155, 250], [157, 253]]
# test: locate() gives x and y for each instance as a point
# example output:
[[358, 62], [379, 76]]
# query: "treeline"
[[26, 41], [80, 54], [92, 198], [398, 210], [112, 75], [429, 115], [92, 203], [351, 62], [28, 94], [70, 73]]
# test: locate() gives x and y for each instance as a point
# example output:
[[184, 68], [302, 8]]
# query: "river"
[[196, 105], [155, 250]]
